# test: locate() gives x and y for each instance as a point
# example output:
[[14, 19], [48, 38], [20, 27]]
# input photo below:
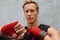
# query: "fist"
[[20, 31], [8, 29]]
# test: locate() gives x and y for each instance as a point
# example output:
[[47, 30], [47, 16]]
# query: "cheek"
[[35, 15]]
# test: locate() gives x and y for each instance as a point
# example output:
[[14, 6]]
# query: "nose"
[[29, 13]]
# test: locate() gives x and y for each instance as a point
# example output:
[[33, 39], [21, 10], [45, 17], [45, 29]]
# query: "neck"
[[30, 25]]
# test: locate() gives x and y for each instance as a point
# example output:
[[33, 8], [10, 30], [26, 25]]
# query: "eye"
[[32, 10], [26, 11]]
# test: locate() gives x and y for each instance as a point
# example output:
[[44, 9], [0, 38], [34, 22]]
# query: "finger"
[[20, 30], [20, 36], [14, 36], [24, 31], [19, 26], [16, 26]]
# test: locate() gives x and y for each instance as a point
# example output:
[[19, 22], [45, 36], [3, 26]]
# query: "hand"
[[20, 31], [8, 29]]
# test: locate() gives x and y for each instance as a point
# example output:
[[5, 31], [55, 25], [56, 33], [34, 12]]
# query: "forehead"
[[30, 6]]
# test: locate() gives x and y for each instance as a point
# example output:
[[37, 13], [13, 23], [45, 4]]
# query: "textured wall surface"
[[11, 10]]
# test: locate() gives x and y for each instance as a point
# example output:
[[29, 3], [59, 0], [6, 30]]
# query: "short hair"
[[28, 2]]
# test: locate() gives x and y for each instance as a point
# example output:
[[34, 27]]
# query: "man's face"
[[30, 12]]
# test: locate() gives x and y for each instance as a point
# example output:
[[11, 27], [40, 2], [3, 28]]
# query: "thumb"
[[14, 36]]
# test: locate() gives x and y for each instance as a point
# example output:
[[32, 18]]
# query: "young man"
[[31, 11]]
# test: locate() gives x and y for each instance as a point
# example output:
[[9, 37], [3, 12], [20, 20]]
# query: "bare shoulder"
[[53, 33], [52, 30]]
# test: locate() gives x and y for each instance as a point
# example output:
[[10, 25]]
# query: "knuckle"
[[25, 31], [21, 36]]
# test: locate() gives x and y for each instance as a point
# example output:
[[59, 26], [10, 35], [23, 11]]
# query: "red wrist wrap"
[[9, 28]]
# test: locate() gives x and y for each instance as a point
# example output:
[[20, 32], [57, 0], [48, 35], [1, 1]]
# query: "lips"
[[29, 18]]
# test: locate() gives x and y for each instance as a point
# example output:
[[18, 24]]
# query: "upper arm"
[[53, 33]]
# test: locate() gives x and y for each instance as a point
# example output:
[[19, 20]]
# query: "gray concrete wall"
[[11, 10]]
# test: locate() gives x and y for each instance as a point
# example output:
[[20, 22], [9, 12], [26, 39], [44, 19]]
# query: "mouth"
[[29, 18]]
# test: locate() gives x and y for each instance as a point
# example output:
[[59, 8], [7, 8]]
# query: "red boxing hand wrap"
[[35, 30], [9, 28], [38, 32]]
